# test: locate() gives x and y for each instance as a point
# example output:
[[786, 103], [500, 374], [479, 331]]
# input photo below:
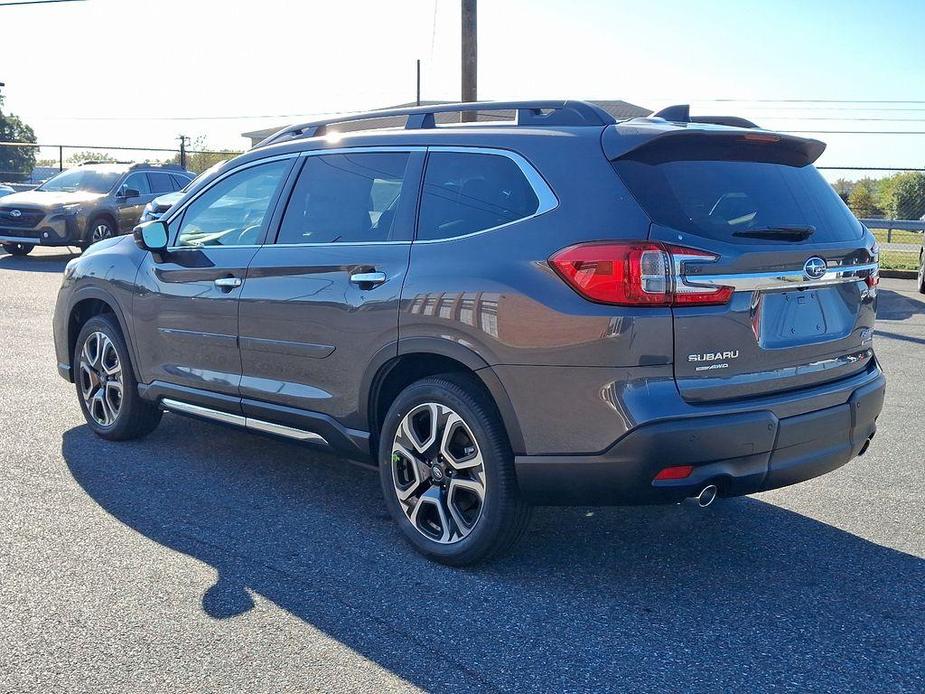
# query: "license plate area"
[[803, 317]]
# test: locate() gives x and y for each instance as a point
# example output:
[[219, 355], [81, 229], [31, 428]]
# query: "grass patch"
[[899, 260], [898, 236]]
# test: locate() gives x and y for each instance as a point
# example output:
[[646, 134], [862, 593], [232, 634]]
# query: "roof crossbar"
[[530, 113]]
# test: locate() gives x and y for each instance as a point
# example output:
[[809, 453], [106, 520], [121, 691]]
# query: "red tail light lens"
[[634, 273], [678, 472]]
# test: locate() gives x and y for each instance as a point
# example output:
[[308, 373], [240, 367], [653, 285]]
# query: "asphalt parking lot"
[[204, 559]]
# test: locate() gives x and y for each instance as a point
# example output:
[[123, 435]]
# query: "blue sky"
[[128, 64]]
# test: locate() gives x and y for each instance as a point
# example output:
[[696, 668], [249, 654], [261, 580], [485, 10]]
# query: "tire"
[[921, 277], [97, 230], [18, 249], [106, 385], [465, 507]]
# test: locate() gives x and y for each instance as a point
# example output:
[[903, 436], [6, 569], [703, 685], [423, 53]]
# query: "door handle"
[[372, 278], [227, 282]]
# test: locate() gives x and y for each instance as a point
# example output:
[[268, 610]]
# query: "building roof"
[[618, 109]]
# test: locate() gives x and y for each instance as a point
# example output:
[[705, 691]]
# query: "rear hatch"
[[799, 267]]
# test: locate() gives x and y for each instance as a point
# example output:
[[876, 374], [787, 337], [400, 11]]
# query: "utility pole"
[[469, 56], [418, 101], [183, 139]]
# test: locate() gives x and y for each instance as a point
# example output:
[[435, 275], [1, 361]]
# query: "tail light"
[[635, 273], [873, 279], [678, 472]]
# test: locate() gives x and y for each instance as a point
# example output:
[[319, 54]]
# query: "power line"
[[35, 2], [855, 132], [810, 101], [851, 119]]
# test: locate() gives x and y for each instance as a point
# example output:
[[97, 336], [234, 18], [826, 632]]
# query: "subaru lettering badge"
[[815, 268], [15, 213]]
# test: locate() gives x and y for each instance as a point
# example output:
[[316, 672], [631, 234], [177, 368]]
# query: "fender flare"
[[452, 350], [96, 292]]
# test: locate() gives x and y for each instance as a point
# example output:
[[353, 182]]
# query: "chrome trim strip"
[[241, 421], [21, 239], [362, 150], [281, 430], [545, 195], [547, 199], [784, 279], [199, 411]]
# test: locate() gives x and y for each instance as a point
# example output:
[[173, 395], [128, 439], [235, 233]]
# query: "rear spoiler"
[[656, 140]]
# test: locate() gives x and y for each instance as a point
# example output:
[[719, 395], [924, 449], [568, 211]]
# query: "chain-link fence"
[[24, 165], [891, 203]]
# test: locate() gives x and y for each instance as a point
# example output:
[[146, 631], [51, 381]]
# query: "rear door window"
[[469, 192], [137, 181], [717, 198], [342, 198], [160, 183]]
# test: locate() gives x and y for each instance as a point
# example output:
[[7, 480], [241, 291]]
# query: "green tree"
[[903, 196], [16, 163], [863, 198], [89, 155]]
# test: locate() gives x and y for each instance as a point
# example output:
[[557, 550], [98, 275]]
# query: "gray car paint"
[[570, 377]]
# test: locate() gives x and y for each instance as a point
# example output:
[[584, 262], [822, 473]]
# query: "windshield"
[[83, 180], [725, 200]]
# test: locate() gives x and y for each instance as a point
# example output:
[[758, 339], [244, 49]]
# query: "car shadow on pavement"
[[744, 595], [895, 306], [37, 263]]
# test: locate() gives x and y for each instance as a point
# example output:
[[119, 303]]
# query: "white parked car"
[[5, 190]]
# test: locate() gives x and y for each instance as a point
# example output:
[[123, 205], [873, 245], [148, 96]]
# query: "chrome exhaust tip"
[[707, 496], [865, 447]]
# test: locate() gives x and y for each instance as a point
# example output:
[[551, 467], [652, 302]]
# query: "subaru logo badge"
[[815, 268], [15, 213]]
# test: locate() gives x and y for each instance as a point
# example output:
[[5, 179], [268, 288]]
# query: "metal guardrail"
[[895, 224]]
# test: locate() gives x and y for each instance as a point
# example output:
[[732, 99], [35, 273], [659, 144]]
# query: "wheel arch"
[[86, 304], [394, 369], [105, 213]]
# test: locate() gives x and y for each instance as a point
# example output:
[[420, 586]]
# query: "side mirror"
[[128, 193], [151, 236]]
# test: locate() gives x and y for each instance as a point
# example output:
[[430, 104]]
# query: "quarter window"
[[345, 197], [468, 192], [234, 210], [179, 181]]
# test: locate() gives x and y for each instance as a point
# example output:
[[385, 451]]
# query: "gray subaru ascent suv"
[[554, 309], [83, 205]]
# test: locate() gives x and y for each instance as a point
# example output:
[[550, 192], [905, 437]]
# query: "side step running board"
[[242, 421]]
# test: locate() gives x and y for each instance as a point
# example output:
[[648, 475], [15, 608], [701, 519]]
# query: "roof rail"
[[101, 161], [682, 114], [533, 113], [157, 165]]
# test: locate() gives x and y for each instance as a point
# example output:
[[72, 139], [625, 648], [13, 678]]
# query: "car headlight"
[[71, 209]]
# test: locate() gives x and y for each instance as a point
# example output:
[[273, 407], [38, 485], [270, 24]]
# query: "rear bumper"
[[740, 452]]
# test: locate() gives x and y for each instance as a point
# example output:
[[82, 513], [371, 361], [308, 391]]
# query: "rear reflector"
[[634, 273], [678, 472]]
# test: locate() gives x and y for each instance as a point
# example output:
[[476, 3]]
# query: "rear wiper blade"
[[783, 233]]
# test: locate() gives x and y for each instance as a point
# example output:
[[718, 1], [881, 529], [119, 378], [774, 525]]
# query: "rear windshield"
[[716, 198]]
